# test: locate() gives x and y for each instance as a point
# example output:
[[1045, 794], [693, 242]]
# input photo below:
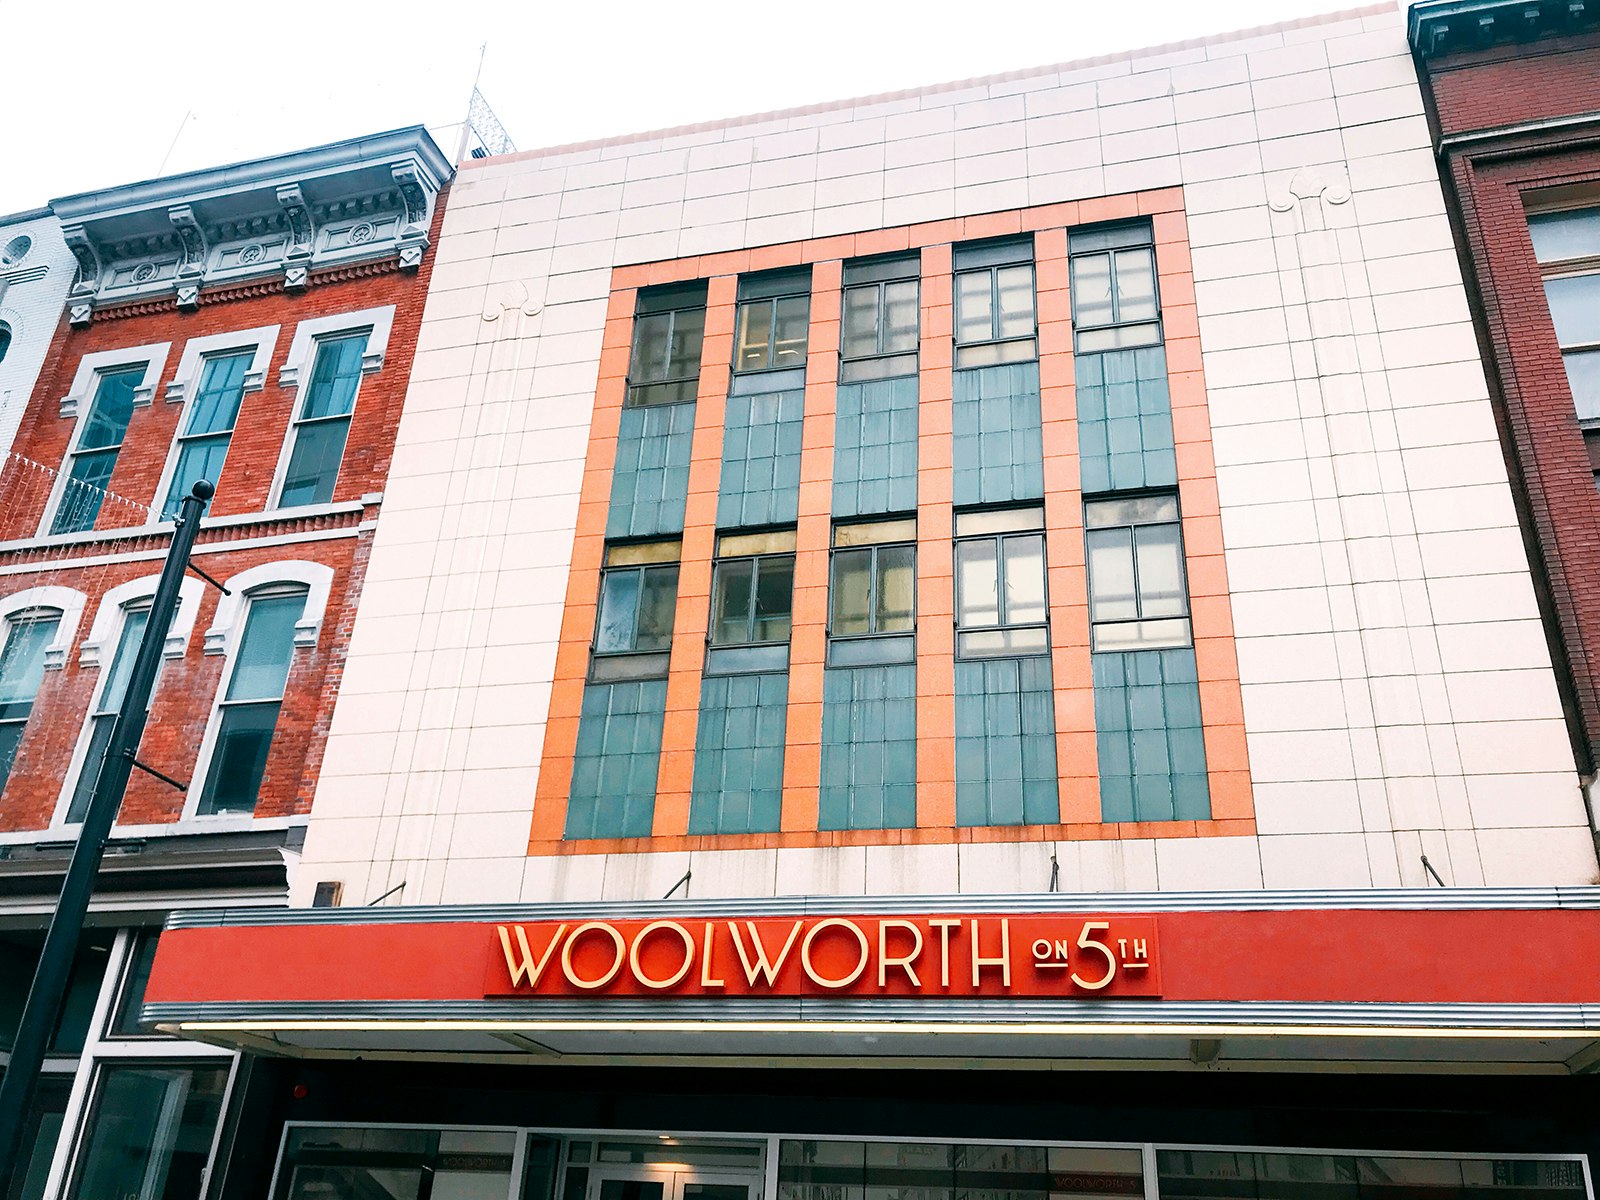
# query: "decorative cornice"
[[270, 224], [1441, 27]]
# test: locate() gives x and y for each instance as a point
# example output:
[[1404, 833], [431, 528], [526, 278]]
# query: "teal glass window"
[[1000, 583], [108, 702], [872, 612], [638, 602], [880, 318], [1138, 599], [28, 636], [752, 595], [323, 425], [94, 454], [995, 316], [248, 712], [208, 422], [1114, 304], [773, 321], [669, 327]]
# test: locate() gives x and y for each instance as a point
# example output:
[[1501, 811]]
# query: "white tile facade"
[[33, 290], [1399, 698]]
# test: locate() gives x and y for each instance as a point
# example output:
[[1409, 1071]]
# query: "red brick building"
[[1510, 90], [254, 326]]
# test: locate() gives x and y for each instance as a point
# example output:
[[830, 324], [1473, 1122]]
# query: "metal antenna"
[[181, 124], [466, 121]]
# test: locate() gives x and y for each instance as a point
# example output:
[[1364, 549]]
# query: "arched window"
[[250, 697], [28, 635], [5, 340], [108, 701]]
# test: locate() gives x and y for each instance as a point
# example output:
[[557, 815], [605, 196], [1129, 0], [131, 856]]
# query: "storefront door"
[[664, 1181]]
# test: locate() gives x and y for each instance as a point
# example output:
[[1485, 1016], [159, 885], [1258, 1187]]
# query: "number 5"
[[1088, 943]]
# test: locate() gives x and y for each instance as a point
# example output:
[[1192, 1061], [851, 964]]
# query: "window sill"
[[161, 528]]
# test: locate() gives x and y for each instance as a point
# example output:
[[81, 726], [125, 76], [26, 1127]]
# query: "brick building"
[[1510, 97], [252, 325]]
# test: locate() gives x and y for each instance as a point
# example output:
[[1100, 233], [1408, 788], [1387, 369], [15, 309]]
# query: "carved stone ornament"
[[80, 312], [296, 277], [87, 280], [188, 296], [192, 239], [1308, 195]]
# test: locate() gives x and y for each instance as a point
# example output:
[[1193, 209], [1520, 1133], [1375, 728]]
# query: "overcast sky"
[[96, 93]]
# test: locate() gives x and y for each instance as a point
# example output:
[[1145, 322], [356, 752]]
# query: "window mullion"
[[994, 304]]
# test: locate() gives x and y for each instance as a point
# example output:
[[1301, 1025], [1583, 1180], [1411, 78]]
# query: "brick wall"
[[1508, 85]]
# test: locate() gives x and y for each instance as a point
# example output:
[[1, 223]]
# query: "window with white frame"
[[95, 448], [208, 423], [1566, 245], [108, 702], [22, 661], [247, 713], [322, 424]]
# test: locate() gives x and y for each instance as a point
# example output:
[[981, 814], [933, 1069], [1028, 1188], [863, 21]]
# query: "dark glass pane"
[[1158, 551], [860, 321], [1091, 290], [10, 739], [5, 340], [652, 337], [755, 336], [240, 758], [261, 665], [774, 599], [789, 341], [1016, 301], [115, 684], [619, 612], [151, 1132], [215, 406], [977, 584], [658, 602], [111, 409], [900, 317], [334, 377], [140, 960], [198, 459], [1111, 592], [974, 307], [1024, 558], [40, 1132], [84, 491], [688, 334], [631, 1189], [897, 589], [314, 463], [1583, 376], [731, 602], [22, 663], [1136, 285], [89, 772], [852, 592], [83, 990]]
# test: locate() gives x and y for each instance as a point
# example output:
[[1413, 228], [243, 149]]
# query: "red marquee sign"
[[972, 956]]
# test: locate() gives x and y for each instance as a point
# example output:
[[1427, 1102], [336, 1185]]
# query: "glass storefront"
[[391, 1163]]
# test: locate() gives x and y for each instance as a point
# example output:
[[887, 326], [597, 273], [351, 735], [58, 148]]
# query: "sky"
[[104, 92]]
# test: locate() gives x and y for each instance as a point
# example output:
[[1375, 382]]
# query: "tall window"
[[752, 596], [995, 318], [94, 452], [207, 426], [873, 611], [28, 636], [1567, 246], [5, 340], [1137, 596], [323, 424], [1114, 288], [638, 600], [108, 701], [879, 331], [248, 711], [1000, 599], [773, 321], [150, 1130], [669, 328]]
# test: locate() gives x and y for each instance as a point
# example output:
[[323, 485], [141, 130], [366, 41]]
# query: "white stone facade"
[[1399, 697], [36, 270]]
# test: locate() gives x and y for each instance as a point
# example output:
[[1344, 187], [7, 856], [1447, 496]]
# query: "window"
[[773, 321], [879, 329], [752, 594], [638, 601], [1114, 288], [94, 454], [150, 1131], [107, 704], [136, 977], [396, 1163], [1567, 247], [28, 635], [5, 340], [1000, 599], [669, 328], [1137, 596], [323, 425], [994, 303], [248, 712], [873, 611], [207, 426]]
